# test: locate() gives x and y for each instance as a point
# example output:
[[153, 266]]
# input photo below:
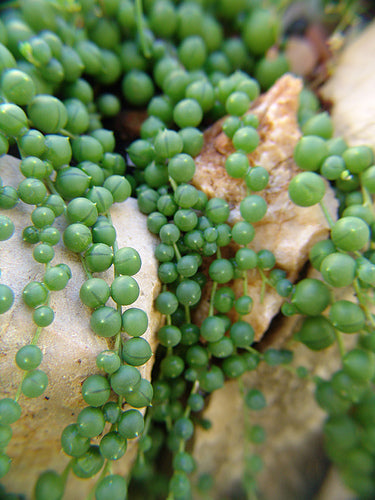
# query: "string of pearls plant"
[[67, 67]]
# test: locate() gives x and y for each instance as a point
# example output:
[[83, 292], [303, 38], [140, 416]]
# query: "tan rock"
[[286, 230], [68, 345], [351, 90]]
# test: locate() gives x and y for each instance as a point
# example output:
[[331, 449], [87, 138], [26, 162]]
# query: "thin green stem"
[[19, 389], [50, 186], [36, 336], [117, 346], [173, 183], [140, 27], [84, 265], [252, 350], [326, 213], [293, 371], [244, 278], [347, 17], [65, 473], [104, 472], [367, 200], [177, 251], [187, 314], [363, 300], [340, 343], [263, 286], [213, 291], [62, 131], [194, 390]]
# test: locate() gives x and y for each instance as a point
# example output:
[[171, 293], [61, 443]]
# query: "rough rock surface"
[[286, 230], [351, 90], [68, 345]]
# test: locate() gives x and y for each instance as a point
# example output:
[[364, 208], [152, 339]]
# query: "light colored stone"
[[69, 346], [351, 90]]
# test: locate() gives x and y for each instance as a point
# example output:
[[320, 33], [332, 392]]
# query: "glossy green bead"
[[47, 113], [242, 334], [358, 158], [188, 292], [29, 357], [77, 237], [6, 228], [359, 364], [125, 380], [32, 191], [112, 447], [88, 464], [43, 316], [17, 86], [142, 396], [56, 278], [34, 294], [136, 351], [350, 233], [82, 210], [5, 435], [99, 257], [101, 197], [119, 187], [94, 292], [13, 120], [172, 366], [8, 197], [316, 333], [311, 296], [212, 379], [347, 316], [105, 321], [34, 383], [72, 442], [338, 269], [42, 217], [253, 208], [310, 152], [124, 290], [221, 271], [90, 422], [71, 182], [320, 251], [49, 485], [260, 31], [10, 411], [131, 424], [96, 390], [319, 125], [306, 189]]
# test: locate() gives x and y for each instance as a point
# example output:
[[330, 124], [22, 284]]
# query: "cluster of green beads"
[[344, 260], [71, 170]]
